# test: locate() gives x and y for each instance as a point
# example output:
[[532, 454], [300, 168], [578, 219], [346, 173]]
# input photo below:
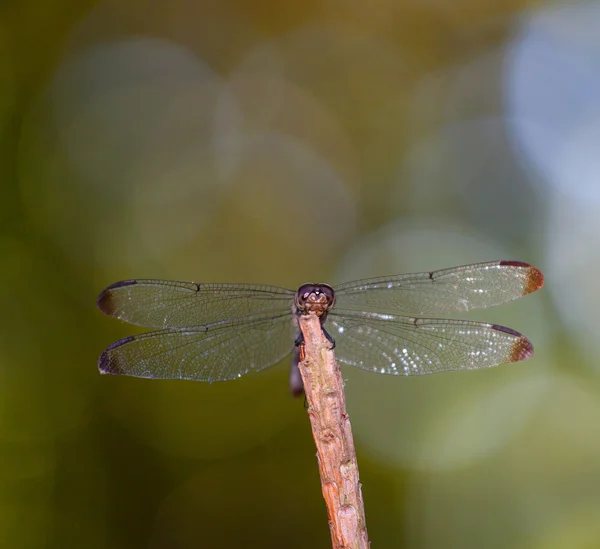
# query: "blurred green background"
[[282, 143]]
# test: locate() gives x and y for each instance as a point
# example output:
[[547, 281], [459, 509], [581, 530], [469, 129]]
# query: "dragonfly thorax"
[[314, 298]]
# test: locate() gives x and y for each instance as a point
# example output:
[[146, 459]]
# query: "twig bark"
[[333, 437]]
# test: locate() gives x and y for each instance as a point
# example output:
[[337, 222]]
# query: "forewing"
[[397, 345], [203, 353], [169, 304], [451, 290]]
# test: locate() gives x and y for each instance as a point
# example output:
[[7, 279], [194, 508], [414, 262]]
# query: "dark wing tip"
[[515, 263], [535, 278], [105, 299], [109, 363], [521, 349]]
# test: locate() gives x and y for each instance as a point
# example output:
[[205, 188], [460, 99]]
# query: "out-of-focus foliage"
[[284, 143]]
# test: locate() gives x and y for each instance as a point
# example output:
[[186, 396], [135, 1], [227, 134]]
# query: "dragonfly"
[[388, 325]]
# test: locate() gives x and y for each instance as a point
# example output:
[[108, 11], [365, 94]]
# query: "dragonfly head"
[[314, 298]]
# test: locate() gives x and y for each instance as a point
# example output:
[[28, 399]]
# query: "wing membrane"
[[398, 345], [441, 292], [168, 304], [217, 352]]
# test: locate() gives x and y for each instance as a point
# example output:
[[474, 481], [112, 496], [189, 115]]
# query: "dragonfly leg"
[[329, 338]]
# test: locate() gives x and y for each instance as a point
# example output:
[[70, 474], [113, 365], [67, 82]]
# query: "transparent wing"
[[168, 304], [441, 292], [217, 352], [398, 345]]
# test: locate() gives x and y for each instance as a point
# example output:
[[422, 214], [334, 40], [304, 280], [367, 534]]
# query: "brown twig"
[[333, 437]]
